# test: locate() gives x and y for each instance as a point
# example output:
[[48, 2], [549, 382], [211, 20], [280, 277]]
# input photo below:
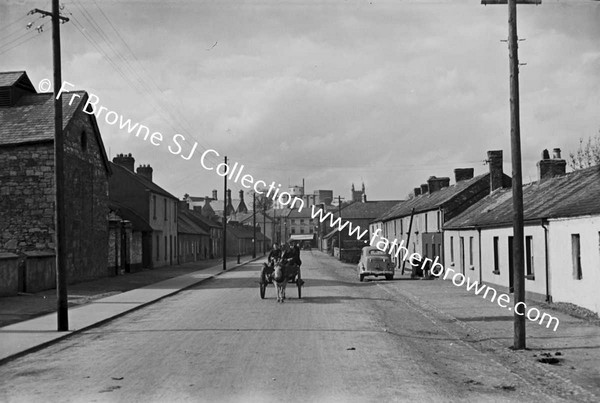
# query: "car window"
[[377, 252]]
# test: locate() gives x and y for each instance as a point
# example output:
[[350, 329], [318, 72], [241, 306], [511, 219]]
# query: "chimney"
[[424, 188], [364, 198], [417, 191], [463, 174], [125, 160], [241, 195], [496, 170], [229, 205], [145, 171], [215, 195], [551, 168], [436, 184]]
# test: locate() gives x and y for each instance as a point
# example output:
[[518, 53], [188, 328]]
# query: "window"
[[462, 254], [302, 230], [439, 220], [471, 251], [154, 206], [451, 249], [496, 256], [302, 222], [165, 209], [293, 230], [529, 256], [310, 230], [576, 256], [165, 247], [293, 221], [425, 230], [401, 227]]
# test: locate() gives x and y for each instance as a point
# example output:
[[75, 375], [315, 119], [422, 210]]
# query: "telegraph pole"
[[517, 180], [264, 228], [225, 219], [59, 174], [253, 224], [339, 231]]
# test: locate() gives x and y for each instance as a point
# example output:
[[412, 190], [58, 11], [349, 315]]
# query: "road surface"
[[344, 341]]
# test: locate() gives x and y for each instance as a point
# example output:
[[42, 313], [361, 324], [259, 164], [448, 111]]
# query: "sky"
[[334, 92]]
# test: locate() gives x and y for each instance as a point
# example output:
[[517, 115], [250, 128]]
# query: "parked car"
[[375, 262]]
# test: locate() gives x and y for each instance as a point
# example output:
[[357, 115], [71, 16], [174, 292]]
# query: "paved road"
[[343, 341]]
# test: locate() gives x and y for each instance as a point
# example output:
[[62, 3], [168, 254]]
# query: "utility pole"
[[339, 231], [59, 174], [225, 219], [253, 225], [517, 180], [264, 231]]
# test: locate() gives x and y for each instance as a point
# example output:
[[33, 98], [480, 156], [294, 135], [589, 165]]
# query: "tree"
[[587, 155]]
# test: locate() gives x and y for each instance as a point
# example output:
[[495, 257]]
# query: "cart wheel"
[[263, 287]]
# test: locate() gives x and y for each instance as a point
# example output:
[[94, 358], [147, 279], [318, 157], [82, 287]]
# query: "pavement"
[[29, 320]]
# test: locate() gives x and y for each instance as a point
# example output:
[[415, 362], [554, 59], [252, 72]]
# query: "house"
[[418, 221], [137, 192], [360, 214], [264, 223], [27, 186], [126, 229], [194, 241], [561, 230], [240, 240], [214, 206], [210, 225]]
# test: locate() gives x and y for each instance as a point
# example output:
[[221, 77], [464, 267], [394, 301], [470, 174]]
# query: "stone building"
[[27, 188]]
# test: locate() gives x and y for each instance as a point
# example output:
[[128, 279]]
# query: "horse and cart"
[[280, 273]]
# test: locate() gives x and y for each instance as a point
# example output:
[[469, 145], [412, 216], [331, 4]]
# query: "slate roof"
[[368, 209], [153, 187], [244, 232], [571, 195], [9, 78], [429, 201], [186, 225], [199, 218], [31, 119]]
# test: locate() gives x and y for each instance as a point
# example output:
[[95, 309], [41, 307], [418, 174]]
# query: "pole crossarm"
[[492, 2], [49, 14]]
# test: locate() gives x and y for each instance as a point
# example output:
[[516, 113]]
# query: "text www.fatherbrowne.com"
[[415, 259]]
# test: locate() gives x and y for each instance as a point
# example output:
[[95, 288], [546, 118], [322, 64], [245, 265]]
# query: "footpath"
[[29, 320], [568, 357]]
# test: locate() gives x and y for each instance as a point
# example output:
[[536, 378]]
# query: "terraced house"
[[562, 236], [418, 221]]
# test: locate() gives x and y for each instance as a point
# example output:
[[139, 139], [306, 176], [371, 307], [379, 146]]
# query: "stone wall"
[[27, 200]]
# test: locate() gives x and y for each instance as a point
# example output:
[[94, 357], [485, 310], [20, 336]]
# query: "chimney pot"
[[556, 153], [545, 155], [424, 188], [364, 198], [417, 191]]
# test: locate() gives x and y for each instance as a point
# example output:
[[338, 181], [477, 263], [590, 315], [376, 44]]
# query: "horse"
[[282, 274]]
